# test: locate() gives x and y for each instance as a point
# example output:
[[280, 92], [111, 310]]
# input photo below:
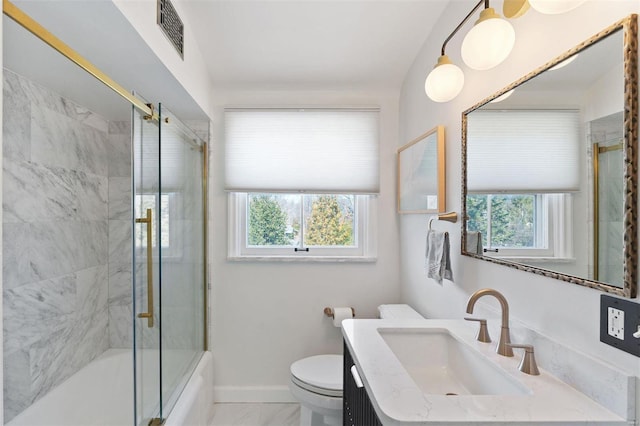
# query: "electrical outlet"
[[615, 323], [619, 320]]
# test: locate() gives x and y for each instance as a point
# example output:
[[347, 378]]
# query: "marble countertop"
[[399, 401]]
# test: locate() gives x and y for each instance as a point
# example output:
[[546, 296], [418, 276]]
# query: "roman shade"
[[302, 150], [523, 151]]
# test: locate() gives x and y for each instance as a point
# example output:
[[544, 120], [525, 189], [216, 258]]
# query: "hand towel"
[[438, 259], [474, 242]]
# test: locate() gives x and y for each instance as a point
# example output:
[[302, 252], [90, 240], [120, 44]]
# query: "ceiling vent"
[[171, 25]]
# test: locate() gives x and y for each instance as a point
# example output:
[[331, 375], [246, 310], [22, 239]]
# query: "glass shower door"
[[182, 293], [169, 268], [146, 274]]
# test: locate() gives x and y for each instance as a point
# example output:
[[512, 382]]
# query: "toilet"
[[316, 381]]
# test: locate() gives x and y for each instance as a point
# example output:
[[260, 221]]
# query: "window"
[[520, 225], [325, 226], [302, 183], [166, 204], [520, 179]]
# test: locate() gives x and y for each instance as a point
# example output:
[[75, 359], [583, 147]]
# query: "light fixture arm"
[[477, 6]]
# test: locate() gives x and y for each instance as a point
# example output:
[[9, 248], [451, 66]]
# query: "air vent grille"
[[171, 25]]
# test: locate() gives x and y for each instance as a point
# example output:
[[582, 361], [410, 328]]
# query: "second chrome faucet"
[[503, 347]]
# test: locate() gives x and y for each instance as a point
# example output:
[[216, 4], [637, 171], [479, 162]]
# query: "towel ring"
[[449, 217], [430, 221]]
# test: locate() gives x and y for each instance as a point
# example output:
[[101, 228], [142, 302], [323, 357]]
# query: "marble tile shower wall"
[[612, 213], [611, 196], [120, 235], [61, 168]]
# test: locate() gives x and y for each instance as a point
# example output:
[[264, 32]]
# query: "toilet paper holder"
[[329, 312]]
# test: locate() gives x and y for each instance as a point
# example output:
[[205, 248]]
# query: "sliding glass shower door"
[[147, 246], [182, 289], [169, 267]]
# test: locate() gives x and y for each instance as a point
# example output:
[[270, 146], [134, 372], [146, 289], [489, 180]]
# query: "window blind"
[[302, 150], [523, 151]]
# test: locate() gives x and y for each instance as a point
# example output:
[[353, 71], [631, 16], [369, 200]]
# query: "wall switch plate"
[[619, 319], [615, 323]]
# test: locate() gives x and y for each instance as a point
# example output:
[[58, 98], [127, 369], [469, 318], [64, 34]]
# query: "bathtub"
[[101, 394]]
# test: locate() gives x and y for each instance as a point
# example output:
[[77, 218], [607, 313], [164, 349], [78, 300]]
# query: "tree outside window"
[[504, 220], [267, 222], [327, 225], [276, 220]]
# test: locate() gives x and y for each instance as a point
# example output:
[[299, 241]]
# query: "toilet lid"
[[321, 374]]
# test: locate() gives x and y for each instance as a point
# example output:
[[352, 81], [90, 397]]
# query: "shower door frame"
[[31, 25]]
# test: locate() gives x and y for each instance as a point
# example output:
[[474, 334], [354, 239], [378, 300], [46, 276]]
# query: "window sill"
[[303, 259]]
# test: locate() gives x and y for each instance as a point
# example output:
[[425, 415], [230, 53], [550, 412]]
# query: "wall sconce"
[[517, 8], [487, 44]]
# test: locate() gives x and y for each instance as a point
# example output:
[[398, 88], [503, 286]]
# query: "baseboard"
[[252, 394]]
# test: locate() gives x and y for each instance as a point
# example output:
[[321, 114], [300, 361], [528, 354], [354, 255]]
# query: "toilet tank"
[[398, 311]]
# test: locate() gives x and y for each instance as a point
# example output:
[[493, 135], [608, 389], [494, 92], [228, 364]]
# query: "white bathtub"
[[101, 394]]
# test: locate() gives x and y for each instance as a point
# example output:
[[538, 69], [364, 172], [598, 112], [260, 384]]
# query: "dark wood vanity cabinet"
[[357, 407]]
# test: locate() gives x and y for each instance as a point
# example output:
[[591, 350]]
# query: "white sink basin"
[[409, 366], [440, 364]]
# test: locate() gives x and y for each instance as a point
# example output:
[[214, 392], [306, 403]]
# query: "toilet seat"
[[321, 374]]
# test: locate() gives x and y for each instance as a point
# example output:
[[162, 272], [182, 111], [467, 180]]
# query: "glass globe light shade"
[[489, 42], [553, 7], [502, 97], [564, 63], [445, 81]]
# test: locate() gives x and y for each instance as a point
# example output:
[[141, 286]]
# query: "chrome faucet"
[[503, 345]]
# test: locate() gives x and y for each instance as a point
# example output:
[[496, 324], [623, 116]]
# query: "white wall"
[[191, 70], [564, 312], [267, 315], [606, 95]]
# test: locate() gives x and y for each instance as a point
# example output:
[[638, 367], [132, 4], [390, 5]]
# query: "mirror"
[[549, 167], [421, 174]]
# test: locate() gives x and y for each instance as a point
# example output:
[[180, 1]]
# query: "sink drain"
[[451, 394]]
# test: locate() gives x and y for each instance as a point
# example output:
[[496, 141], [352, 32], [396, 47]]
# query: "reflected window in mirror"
[[521, 226], [521, 174]]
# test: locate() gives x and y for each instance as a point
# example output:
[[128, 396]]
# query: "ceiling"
[[248, 44], [274, 44]]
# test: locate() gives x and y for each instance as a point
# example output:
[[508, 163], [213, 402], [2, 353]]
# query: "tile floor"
[[255, 414]]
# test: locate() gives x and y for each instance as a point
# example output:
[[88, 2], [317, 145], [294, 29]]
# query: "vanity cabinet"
[[357, 407]]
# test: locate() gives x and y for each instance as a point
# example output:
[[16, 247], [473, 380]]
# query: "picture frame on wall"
[[421, 174]]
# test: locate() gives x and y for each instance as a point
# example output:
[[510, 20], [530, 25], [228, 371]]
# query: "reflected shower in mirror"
[[549, 170]]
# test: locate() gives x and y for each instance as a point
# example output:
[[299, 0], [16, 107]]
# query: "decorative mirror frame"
[[441, 184], [629, 27]]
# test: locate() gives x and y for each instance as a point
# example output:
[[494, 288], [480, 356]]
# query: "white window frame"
[[554, 231], [364, 250]]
